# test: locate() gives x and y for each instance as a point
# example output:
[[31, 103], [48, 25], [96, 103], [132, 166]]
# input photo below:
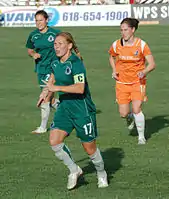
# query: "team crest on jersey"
[[68, 70], [50, 38], [136, 53]]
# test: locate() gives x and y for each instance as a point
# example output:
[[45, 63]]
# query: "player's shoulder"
[[76, 61], [34, 35], [116, 43], [34, 32], [74, 58], [54, 60], [140, 42], [53, 31]]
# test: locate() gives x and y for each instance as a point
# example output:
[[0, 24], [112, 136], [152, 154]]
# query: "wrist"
[[145, 72]]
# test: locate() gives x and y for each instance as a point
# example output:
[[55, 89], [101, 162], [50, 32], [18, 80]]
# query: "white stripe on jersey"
[[143, 43], [114, 46]]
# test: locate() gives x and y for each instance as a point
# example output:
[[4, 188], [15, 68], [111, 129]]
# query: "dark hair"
[[43, 13], [70, 39], [131, 22]]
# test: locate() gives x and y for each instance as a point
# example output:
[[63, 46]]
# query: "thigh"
[[62, 121], [86, 128], [136, 106], [123, 93], [139, 92], [124, 109]]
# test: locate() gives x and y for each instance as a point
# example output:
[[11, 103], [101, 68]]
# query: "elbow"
[[153, 66], [81, 90]]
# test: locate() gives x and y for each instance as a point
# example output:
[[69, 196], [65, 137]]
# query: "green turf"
[[28, 167]]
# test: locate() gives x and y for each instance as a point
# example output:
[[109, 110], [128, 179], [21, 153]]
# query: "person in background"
[[40, 47], [128, 58]]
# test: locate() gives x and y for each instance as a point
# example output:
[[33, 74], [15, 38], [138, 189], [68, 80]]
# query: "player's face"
[[61, 46], [126, 31], [41, 22]]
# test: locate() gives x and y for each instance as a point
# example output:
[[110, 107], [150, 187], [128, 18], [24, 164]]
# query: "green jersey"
[[43, 43], [70, 72]]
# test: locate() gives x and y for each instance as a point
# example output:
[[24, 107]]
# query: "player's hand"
[[36, 56], [115, 75], [42, 97], [141, 74], [51, 87]]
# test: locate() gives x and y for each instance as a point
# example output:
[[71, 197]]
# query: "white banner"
[[94, 15]]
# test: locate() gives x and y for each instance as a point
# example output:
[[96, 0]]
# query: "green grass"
[[28, 167]]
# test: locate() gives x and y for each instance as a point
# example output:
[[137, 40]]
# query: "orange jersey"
[[129, 59]]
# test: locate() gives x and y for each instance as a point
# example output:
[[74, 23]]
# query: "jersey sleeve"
[[79, 72], [29, 43], [112, 50], [146, 50]]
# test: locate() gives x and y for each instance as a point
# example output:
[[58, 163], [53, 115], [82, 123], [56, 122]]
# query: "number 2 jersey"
[[43, 43], [70, 72], [129, 59]]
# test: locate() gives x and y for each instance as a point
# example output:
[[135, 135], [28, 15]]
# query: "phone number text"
[[93, 16]]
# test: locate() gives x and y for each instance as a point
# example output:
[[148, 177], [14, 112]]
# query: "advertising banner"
[[94, 15], [151, 13]]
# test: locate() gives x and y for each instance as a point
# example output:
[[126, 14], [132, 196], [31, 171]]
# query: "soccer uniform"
[[75, 110], [43, 43], [129, 61]]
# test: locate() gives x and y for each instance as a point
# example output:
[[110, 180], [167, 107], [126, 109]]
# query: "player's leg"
[[60, 129], [87, 131], [139, 120], [138, 96], [123, 97], [45, 106]]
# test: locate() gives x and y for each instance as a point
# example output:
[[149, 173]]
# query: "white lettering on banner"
[[145, 12], [164, 12], [94, 15]]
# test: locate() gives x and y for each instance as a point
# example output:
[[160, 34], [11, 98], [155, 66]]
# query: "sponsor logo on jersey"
[[128, 58]]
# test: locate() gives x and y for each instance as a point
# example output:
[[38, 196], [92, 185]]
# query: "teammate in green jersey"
[[40, 47], [76, 110]]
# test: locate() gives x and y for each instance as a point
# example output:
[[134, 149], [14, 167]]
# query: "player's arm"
[[150, 64], [113, 66], [77, 87], [33, 54], [30, 48], [112, 57]]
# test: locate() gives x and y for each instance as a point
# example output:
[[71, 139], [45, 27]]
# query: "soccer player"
[[40, 47], [76, 110], [128, 58]]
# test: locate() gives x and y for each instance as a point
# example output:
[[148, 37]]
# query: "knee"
[[124, 114], [55, 138]]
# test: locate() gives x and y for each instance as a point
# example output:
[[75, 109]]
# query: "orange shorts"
[[125, 93]]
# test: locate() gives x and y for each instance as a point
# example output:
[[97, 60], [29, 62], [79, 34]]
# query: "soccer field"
[[28, 167]]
